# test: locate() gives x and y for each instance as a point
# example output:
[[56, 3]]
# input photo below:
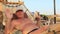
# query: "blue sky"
[[42, 6]]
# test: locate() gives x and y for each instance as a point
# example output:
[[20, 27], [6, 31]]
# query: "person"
[[19, 22]]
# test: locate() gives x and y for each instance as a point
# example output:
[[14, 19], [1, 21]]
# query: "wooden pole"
[[54, 11]]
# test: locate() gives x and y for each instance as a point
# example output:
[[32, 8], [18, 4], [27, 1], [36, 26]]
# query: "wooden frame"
[[5, 2], [12, 2]]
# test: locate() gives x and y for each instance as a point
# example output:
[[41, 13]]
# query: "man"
[[19, 22]]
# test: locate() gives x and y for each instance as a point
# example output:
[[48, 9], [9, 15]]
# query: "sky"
[[42, 6]]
